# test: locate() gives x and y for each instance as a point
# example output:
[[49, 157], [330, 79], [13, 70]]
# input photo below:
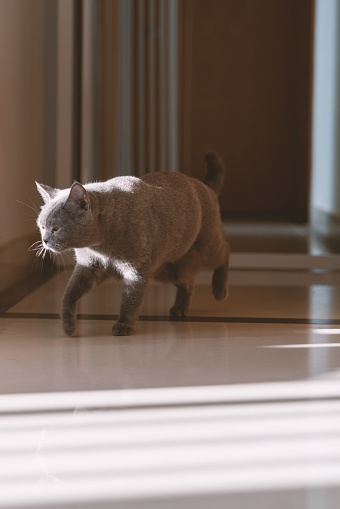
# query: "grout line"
[[192, 319]]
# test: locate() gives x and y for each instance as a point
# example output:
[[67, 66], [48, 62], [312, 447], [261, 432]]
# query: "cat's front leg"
[[133, 293], [81, 281]]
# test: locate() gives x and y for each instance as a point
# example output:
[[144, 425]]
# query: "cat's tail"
[[215, 172]]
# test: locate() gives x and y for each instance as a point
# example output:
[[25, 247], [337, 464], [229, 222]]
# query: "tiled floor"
[[237, 407]]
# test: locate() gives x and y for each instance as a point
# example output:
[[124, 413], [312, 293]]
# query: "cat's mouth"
[[53, 249]]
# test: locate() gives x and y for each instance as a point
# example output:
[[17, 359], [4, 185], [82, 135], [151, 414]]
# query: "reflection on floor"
[[236, 407]]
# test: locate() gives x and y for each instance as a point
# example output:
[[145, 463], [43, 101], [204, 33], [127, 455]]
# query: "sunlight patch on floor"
[[158, 443]]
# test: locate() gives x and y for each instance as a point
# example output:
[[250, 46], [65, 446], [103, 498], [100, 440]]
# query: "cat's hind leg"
[[220, 283], [184, 272], [220, 287]]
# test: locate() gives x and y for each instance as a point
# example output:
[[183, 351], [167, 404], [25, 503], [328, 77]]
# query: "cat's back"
[[171, 193], [168, 179], [149, 184], [182, 188], [174, 191], [178, 184]]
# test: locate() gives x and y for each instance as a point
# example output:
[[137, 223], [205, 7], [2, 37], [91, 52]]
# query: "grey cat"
[[164, 225]]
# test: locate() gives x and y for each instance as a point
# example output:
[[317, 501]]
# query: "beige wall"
[[21, 115]]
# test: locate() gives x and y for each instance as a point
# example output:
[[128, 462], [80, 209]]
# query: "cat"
[[165, 225]]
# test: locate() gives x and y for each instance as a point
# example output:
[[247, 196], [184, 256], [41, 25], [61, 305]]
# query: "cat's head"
[[66, 220]]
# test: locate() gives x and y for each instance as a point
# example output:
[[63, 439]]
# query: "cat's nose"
[[46, 238]]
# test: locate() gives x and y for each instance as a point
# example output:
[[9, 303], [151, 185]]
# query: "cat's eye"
[[55, 229]]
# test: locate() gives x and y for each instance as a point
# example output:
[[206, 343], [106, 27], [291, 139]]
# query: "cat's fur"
[[164, 225]]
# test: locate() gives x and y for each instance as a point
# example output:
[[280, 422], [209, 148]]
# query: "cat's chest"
[[88, 257]]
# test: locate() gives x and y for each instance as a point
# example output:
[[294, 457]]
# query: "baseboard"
[[284, 261]]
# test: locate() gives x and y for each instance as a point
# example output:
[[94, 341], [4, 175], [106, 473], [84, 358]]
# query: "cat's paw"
[[177, 312], [68, 322], [220, 292], [220, 283], [122, 329]]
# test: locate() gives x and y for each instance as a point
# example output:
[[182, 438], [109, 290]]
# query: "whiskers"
[[33, 208], [38, 247], [40, 251], [60, 260]]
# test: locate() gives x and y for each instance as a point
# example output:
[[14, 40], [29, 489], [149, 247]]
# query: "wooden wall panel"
[[246, 92]]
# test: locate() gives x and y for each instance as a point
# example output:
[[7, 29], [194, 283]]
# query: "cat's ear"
[[79, 197], [46, 192]]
